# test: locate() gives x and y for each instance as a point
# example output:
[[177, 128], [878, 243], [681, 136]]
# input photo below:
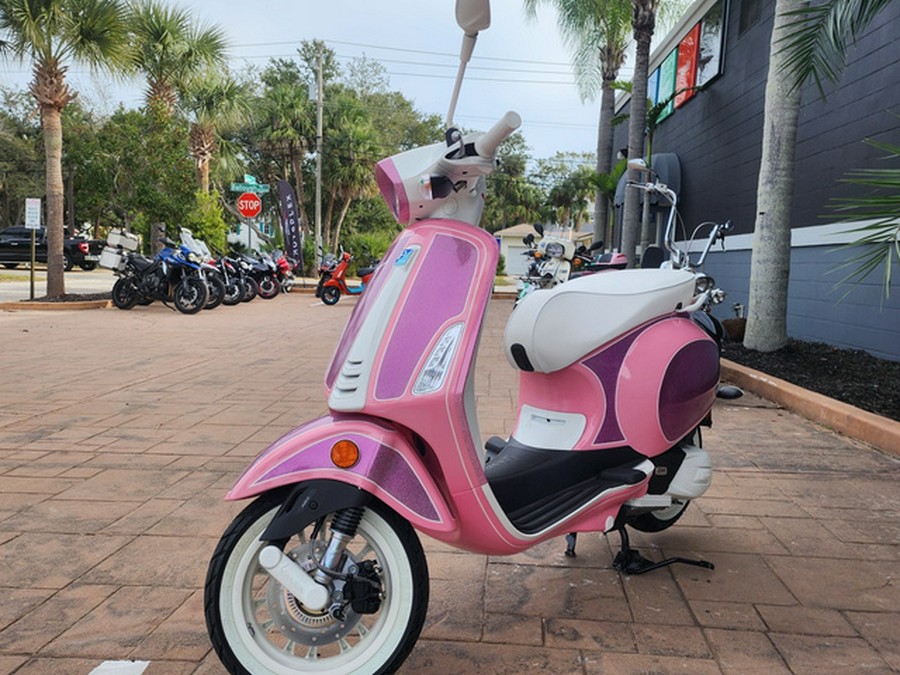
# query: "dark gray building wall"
[[718, 135], [849, 317]]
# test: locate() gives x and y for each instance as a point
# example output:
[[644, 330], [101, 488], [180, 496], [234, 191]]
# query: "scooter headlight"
[[554, 249], [432, 377], [703, 283]]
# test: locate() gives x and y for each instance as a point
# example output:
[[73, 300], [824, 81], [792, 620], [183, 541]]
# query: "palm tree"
[[643, 23], [597, 30], [50, 33], [350, 150], [170, 49], [214, 103], [816, 38], [807, 43], [287, 127]]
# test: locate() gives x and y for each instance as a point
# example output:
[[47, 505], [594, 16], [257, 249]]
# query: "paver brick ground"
[[120, 432]]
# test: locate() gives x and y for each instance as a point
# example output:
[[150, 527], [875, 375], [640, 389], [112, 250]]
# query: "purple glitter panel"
[[438, 294], [379, 463], [606, 366], [688, 388], [361, 311]]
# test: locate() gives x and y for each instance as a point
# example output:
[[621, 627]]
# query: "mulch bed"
[[852, 376]]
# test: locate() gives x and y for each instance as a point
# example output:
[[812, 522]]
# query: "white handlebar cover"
[[487, 144]]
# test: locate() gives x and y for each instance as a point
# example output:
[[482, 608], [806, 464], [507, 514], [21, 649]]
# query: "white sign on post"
[[33, 213]]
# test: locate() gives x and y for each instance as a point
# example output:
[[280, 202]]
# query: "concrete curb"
[[25, 304], [879, 432]]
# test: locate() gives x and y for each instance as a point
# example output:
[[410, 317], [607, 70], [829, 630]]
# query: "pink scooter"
[[324, 572]]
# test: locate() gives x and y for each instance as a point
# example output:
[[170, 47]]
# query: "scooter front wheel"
[[330, 295], [257, 626]]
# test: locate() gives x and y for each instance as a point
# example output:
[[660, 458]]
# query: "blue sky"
[[518, 64]]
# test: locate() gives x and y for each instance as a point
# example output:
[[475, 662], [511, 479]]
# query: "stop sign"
[[249, 205]]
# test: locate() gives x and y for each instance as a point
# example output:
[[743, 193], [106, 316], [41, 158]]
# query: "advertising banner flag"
[[290, 221]]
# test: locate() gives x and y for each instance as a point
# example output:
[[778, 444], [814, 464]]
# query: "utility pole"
[[319, 101]]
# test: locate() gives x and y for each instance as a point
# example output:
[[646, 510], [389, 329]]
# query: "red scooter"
[[333, 281]]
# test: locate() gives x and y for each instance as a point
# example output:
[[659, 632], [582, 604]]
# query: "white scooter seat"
[[551, 329]]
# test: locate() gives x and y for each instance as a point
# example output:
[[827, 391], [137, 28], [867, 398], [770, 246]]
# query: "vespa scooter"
[[323, 571], [333, 279]]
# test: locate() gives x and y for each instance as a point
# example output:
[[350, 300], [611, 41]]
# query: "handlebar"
[[486, 145]]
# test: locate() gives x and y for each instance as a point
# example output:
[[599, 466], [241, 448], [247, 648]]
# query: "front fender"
[[389, 468]]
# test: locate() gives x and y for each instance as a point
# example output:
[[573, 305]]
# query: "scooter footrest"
[[542, 513]]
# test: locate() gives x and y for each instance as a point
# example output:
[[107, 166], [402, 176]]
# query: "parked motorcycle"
[[323, 571], [170, 277], [551, 260], [333, 278], [284, 270], [215, 282], [263, 272]]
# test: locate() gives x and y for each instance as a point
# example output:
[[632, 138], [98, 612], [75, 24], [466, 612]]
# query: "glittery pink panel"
[[438, 294]]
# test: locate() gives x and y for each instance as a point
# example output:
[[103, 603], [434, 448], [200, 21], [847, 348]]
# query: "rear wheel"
[[258, 626], [124, 293], [268, 287], [331, 294], [234, 292], [190, 295], [215, 287], [251, 289], [657, 521]]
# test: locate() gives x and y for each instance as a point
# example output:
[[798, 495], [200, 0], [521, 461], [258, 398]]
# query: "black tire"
[[68, 263], [215, 287], [251, 289], [124, 293], [657, 521], [10, 266], [88, 266], [190, 295], [269, 287], [234, 292], [256, 626], [331, 294]]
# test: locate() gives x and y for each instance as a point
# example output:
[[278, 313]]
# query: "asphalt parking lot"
[[120, 433]]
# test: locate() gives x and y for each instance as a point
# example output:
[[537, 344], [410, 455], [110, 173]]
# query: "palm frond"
[[878, 237], [817, 37]]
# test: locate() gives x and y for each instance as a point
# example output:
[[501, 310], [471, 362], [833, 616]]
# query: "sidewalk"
[[120, 433]]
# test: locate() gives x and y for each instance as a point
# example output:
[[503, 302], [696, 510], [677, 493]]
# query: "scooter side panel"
[[388, 467], [675, 364], [646, 390]]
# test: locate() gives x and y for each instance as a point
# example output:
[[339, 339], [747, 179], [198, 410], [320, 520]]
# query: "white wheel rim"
[[375, 645]]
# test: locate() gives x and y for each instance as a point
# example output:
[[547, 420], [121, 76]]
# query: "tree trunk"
[[340, 222], [51, 125], [604, 157], [771, 258], [637, 122]]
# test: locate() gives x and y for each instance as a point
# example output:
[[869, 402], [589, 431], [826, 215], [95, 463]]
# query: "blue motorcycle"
[[172, 276]]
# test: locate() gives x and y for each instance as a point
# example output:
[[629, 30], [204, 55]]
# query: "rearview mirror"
[[473, 15]]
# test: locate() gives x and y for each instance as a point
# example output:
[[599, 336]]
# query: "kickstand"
[[571, 538], [630, 561]]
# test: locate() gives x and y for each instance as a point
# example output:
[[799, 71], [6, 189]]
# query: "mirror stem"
[[468, 46]]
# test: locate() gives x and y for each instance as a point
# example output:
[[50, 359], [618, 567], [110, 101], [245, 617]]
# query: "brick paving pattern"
[[120, 432]]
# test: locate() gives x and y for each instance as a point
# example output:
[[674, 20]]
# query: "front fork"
[[333, 585]]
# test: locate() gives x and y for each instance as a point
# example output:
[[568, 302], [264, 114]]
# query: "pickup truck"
[[15, 248]]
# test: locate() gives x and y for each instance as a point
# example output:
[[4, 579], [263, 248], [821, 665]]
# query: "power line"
[[412, 51]]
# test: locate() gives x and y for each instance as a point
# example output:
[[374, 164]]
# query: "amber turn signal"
[[344, 454]]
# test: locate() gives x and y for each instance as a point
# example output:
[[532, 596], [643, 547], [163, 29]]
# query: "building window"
[[750, 11]]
